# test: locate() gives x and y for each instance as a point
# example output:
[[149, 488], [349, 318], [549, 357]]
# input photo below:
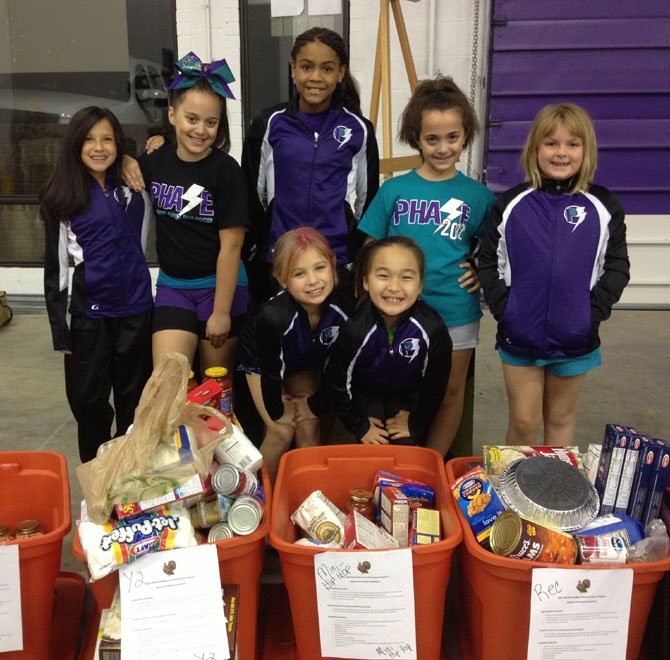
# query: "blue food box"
[[631, 461], [652, 506], [626, 528], [643, 478], [479, 502], [615, 443], [609, 438]]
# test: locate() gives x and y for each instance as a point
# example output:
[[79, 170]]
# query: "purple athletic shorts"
[[189, 309]]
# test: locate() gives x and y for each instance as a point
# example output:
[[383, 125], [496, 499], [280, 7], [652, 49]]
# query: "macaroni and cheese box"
[[479, 502]]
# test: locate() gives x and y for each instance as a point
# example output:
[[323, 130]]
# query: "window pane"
[[56, 58], [267, 44]]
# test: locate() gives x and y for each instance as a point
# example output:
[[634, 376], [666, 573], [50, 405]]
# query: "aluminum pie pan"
[[549, 492]]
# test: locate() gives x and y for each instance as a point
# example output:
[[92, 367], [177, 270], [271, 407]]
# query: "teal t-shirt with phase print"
[[444, 218]]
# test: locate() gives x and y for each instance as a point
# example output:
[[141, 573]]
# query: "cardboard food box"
[[361, 533], [660, 475], [231, 602], [425, 527], [206, 394], [631, 461], [643, 478], [479, 502], [194, 488], [409, 486], [615, 443]]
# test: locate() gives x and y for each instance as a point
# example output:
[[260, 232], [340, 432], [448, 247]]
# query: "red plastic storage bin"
[[335, 470], [494, 594], [34, 485], [240, 562]]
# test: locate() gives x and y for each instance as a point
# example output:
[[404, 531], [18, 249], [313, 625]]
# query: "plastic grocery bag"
[[127, 472]]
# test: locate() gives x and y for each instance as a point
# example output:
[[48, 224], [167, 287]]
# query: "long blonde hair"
[[578, 122]]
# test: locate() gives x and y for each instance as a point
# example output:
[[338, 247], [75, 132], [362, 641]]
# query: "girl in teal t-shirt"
[[445, 212]]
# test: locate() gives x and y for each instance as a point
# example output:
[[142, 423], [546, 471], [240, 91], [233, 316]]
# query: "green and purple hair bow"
[[217, 74]]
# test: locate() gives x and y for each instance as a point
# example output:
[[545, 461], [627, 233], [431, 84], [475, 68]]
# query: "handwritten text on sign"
[[579, 613], [172, 608], [366, 604]]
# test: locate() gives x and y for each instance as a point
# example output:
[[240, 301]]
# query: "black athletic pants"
[[108, 355]]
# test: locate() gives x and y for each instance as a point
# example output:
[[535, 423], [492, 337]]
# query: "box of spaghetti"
[[479, 502]]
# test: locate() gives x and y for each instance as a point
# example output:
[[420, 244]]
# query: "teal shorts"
[[557, 366]]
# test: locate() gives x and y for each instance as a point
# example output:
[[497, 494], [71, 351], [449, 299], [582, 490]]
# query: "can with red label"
[[602, 549], [232, 482]]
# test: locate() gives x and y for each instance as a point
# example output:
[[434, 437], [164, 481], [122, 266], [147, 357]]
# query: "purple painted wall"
[[613, 58]]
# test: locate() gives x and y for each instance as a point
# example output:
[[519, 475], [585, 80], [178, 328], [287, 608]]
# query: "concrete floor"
[[630, 388]]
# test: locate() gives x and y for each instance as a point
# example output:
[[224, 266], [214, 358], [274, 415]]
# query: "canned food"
[[603, 549], [231, 481], [514, 537], [28, 528], [219, 532], [210, 512], [5, 533], [245, 515]]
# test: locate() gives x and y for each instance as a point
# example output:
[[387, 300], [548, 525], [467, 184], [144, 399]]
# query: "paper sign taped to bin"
[[11, 626], [171, 606], [366, 604], [579, 613]]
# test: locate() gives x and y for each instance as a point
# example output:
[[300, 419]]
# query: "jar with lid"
[[5, 534], [192, 382], [220, 375], [360, 499], [28, 528]]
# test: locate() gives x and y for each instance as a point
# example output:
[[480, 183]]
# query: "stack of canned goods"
[[236, 507]]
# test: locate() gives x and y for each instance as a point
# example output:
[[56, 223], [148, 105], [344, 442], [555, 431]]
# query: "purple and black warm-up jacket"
[[552, 265]]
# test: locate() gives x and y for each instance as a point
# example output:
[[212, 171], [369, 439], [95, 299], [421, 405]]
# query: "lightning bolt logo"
[[574, 215], [409, 348], [453, 210], [193, 197], [342, 134]]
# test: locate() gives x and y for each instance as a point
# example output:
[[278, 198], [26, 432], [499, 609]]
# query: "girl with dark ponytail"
[[305, 159]]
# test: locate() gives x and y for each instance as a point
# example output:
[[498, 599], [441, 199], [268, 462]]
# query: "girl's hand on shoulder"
[[65, 351], [377, 434], [153, 143], [469, 279], [218, 327], [398, 426], [131, 173]]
